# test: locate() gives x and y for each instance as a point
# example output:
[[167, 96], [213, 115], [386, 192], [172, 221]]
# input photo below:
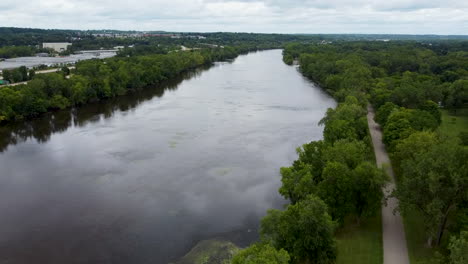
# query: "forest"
[[335, 185], [16, 42]]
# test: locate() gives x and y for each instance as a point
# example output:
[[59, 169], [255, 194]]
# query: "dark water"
[[144, 177]]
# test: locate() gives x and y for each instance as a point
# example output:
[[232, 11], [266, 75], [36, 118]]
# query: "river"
[[142, 178]]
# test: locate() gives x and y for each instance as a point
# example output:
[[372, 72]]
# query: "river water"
[[144, 177]]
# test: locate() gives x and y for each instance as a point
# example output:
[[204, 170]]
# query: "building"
[[57, 46]]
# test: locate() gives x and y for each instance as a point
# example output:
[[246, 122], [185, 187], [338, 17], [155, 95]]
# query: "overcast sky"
[[280, 16]]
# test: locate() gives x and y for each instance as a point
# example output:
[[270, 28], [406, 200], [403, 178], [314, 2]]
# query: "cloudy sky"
[[281, 16]]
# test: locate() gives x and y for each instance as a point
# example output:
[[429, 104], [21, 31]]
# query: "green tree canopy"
[[459, 248], [434, 182], [304, 230], [261, 254]]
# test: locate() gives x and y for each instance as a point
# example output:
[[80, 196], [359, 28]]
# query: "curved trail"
[[394, 240]]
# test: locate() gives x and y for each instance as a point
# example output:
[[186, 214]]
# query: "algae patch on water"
[[210, 252]]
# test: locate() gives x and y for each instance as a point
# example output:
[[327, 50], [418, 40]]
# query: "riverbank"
[[100, 79]]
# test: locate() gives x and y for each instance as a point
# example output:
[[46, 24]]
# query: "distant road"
[[394, 239]]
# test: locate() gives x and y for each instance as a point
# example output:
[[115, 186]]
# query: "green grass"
[[454, 123], [361, 244], [416, 239]]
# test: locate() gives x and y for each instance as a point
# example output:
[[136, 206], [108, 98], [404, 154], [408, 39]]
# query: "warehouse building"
[[57, 46]]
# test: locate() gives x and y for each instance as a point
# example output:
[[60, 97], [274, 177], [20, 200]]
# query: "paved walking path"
[[394, 240]]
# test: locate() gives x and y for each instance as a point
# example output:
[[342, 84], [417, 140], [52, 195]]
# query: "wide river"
[[142, 178]]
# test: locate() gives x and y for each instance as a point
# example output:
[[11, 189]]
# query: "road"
[[53, 70], [394, 239]]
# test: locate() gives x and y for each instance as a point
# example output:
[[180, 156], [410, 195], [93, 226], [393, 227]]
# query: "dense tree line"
[[10, 36], [20, 74], [15, 42], [336, 178], [95, 80], [16, 51], [407, 83], [332, 180]]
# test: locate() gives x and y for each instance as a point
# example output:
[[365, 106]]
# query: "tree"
[[434, 182], [297, 182], [348, 152], [459, 248], [23, 71], [78, 90], [58, 102], [17, 75], [458, 94], [31, 74], [9, 100], [336, 190], [312, 155], [397, 127], [367, 190], [261, 254], [302, 178], [463, 136], [355, 192], [347, 121], [65, 71], [339, 129], [304, 230], [7, 75], [432, 108], [422, 120], [384, 112], [411, 147]]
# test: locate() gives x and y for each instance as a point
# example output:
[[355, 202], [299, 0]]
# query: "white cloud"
[[286, 16]]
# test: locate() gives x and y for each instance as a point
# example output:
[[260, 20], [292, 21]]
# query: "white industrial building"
[[57, 46]]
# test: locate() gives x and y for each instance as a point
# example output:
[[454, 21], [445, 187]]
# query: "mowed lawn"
[[454, 122], [361, 244], [416, 239]]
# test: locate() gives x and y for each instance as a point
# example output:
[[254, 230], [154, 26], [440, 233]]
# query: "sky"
[[443, 17]]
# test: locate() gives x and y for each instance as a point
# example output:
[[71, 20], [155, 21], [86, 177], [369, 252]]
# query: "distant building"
[[57, 46]]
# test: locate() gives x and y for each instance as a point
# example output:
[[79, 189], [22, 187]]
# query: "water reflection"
[[40, 129]]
